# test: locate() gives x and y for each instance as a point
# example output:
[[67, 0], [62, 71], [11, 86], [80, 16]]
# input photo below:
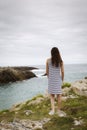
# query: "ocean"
[[14, 93]]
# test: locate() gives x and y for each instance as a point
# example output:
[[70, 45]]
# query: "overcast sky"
[[30, 28]]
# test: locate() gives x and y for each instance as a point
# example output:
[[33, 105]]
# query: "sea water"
[[14, 93]]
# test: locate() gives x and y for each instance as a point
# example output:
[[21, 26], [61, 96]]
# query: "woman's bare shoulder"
[[48, 60]]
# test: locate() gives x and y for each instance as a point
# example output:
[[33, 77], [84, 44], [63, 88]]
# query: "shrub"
[[66, 85]]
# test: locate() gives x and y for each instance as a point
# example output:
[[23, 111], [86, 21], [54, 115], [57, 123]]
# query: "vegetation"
[[66, 84], [75, 108]]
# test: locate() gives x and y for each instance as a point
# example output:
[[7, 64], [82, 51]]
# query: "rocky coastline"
[[13, 74], [33, 114]]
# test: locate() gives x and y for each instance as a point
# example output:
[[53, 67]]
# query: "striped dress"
[[54, 79]]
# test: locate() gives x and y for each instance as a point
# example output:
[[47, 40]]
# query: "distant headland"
[[13, 74]]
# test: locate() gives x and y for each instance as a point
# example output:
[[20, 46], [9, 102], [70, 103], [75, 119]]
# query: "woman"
[[55, 74]]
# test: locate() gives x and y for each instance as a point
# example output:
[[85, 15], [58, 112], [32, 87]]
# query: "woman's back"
[[54, 79]]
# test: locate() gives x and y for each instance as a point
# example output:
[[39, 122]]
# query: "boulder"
[[80, 87]]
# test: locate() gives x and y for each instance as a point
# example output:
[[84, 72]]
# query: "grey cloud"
[[30, 27]]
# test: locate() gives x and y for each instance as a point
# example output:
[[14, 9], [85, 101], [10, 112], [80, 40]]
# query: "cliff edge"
[[12, 74]]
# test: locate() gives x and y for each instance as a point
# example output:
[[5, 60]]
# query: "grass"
[[7, 116], [66, 84], [75, 108], [39, 110], [57, 123]]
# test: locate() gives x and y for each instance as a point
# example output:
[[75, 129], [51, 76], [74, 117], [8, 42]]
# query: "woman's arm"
[[47, 69], [62, 71]]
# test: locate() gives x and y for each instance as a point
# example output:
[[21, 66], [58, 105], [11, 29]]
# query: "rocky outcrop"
[[23, 124], [33, 114], [12, 74], [80, 87]]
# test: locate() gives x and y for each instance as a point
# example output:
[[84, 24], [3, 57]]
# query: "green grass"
[[7, 116], [57, 123], [66, 84], [39, 110], [75, 108]]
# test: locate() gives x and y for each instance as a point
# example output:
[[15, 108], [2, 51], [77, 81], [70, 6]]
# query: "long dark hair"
[[55, 57]]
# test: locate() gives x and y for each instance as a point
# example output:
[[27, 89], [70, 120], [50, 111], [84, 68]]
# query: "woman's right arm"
[[62, 71], [47, 70]]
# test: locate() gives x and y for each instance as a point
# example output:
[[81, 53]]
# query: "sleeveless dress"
[[54, 79]]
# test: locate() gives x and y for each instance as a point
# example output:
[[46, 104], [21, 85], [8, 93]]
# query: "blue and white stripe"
[[54, 79]]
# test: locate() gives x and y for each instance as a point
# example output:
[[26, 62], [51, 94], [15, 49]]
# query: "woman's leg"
[[60, 113], [59, 101], [52, 97]]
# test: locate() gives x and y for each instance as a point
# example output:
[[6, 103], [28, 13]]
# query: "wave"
[[39, 72]]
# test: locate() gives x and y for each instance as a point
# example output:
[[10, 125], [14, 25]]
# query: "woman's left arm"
[[62, 71]]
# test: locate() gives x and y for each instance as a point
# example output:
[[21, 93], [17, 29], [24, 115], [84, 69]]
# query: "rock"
[[78, 122], [66, 91], [80, 87], [24, 124], [85, 77], [23, 68], [17, 107], [28, 112], [64, 98], [12, 74], [37, 101]]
